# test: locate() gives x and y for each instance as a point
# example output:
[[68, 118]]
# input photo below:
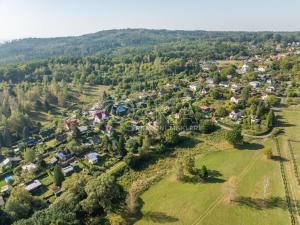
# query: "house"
[[92, 157], [47, 133], [261, 69], [254, 84], [9, 161], [99, 116], [1, 201], [5, 190], [63, 155], [203, 92], [68, 170], [206, 109], [83, 129], [194, 87], [56, 190], [235, 88], [96, 139], [235, 99], [31, 141], [8, 179], [162, 91], [224, 84], [264, 97], [236, 115], [29, 167], [254, 119], [52, 160], [70, 123], [120, 109], [33, 186], [152, 125], [261, 77], [270, 89], [245, 69], [210, 81], [142, 95], [61, 138]]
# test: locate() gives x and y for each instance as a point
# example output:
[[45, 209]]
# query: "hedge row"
[[294, 161], [285, 182]]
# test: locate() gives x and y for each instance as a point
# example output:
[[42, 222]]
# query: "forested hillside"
[[107, 41]]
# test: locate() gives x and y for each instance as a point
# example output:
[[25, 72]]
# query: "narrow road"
[[246, 135]]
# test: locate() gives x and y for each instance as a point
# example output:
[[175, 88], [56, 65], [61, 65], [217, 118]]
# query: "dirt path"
[[246, 135]]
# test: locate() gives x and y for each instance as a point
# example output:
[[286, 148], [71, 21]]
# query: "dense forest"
[[116, 41]]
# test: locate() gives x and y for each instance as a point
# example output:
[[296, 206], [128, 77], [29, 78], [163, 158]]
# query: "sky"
[[52, 18]]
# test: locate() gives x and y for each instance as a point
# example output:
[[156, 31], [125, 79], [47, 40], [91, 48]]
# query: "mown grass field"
[[260, 191], [175, 202]]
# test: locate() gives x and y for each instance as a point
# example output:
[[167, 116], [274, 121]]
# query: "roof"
[[67, 169], [83, 128], [30, 166], [8, 178], [92, 156], [5, 189], [34, 185]]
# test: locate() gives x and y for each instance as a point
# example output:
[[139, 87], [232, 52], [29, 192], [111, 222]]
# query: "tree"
[[19, 204], [29, 155], [102, 192], [190, 163], [146, 143], [76, 133], [58, 176], [268, 153], [207, 127], [235, 136], [270, 119], [25, 133], [171, 136], [204, 172]]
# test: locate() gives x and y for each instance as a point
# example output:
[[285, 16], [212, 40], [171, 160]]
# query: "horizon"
[[79, 35], [48, 19]]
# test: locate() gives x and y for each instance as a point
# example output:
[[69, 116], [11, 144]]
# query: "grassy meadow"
[[258, 187]]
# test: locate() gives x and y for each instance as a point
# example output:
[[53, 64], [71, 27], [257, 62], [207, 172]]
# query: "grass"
[[89, 96], [176, 202]]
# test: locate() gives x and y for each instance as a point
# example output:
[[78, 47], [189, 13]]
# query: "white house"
[[194, 87], [33, 186], [235, 99], [67, 170], [261, 69], [235, 87], [245, 69], [29, 167], [236, 115], [254, 84], [270, 89]]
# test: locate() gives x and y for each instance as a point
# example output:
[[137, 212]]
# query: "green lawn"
[[260, 190], [170, 201]]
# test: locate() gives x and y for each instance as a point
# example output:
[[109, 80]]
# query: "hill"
[[103, 41]]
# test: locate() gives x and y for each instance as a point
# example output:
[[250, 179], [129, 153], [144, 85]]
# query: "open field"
[[170, 201], [90, 95], [260, 190]]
